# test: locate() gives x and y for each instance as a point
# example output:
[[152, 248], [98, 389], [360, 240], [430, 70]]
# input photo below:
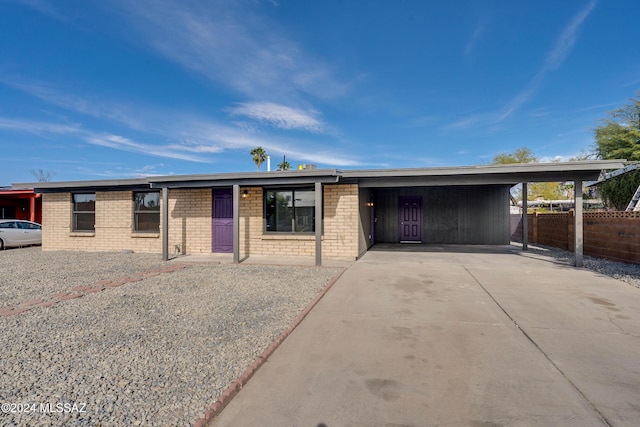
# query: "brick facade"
[[113, 226], [190, 225], [340, 237], [190, 212]]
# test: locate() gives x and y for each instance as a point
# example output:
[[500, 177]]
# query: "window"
[[146, 212], [290, 210], [84, 212], [29, 226]]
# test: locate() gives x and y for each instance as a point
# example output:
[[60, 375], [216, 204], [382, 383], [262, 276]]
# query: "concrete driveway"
[[455, 336]]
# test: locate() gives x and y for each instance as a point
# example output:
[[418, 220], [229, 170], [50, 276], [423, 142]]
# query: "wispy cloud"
[[117, 171], [188, 138], [475, 36], [60, 98], [203, 133], [564, 44], [279, 116], [607, 105], [424, 121], [36, 127], [634, 82], [117, 142], [232, 44], [237, 48], [45, 7], [552, 159], [471, 121], [554, 59]]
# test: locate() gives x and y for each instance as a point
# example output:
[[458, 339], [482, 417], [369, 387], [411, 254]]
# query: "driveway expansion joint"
[[535, 344]]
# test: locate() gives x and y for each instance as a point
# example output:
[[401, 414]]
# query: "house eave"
[[510, 174]]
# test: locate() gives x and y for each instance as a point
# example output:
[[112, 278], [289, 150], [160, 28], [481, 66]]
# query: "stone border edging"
[[80, 291], [232, 390]]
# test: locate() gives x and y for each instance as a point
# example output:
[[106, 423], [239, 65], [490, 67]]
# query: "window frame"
[[75, 212], [137, 212], [294, 215]]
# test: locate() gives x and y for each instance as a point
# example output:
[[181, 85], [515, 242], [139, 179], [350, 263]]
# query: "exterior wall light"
[[245, 194]]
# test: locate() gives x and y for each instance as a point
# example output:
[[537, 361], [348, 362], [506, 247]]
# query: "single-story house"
[[321, 213], [20, 204]]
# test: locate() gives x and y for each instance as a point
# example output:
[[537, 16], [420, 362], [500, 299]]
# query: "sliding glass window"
[[290, 210]]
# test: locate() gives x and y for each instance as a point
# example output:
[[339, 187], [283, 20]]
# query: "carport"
[[459, 205]]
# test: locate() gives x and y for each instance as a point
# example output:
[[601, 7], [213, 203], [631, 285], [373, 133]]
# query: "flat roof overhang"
[[250, 179], [86, 186], [510, 174], [19, 194], [275, 178]]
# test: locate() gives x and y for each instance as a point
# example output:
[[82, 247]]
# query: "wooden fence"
[[609, 235]]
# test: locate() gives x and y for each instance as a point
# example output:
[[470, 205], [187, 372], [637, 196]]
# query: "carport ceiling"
[[509, 174]]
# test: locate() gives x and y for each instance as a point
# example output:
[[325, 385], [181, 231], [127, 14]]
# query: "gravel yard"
[[157, 351]]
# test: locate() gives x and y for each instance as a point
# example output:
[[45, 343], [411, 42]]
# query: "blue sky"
[[118, 89]]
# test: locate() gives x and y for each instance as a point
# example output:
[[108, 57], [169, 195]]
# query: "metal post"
[[578, 231], [525, 221], [165, 223], [318, 192], [236, 224]]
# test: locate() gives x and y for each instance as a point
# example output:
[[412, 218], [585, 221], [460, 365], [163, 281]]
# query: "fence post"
[[570, 231]]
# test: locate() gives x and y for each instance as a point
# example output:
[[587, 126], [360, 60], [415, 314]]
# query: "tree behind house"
[[284, 165], [618, 137], [544, 190], [42, 175], [259, 156]]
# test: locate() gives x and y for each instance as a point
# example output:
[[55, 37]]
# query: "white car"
[[16, 233]]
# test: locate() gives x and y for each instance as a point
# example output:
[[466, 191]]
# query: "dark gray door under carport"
[[410, 219]]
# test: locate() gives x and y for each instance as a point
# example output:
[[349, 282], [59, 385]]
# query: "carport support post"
[[318, 192], [236, 224], [578, 231], [165, 223], [32, 208], [525, 221]]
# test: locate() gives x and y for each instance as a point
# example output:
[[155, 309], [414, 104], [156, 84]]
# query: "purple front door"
[[410, 219], [222, 222]]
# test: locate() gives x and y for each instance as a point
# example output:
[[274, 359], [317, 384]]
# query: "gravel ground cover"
[[28, 273], [154, 352], [628, 273]]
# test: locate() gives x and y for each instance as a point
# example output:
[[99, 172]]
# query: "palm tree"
[[284, 165], [259, 156]]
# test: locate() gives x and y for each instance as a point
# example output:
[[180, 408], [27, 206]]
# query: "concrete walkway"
[[455, 336], [220, 258]]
